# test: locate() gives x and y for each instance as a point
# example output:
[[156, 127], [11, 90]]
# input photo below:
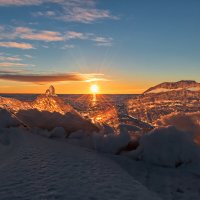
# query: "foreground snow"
[[181, 183], [35, 167]]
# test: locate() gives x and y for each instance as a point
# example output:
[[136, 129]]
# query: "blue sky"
[[124, 46]]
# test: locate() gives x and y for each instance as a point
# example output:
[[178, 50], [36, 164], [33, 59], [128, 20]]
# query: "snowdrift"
[[111, 143], [183, 121], [70, 121], [168, 147], [35, 167], [6, 119]]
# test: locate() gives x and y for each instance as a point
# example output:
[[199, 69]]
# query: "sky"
[[123, 46]]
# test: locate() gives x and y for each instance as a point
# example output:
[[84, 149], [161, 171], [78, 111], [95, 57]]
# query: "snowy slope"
[[160, 90], [34, 167], [169, 183], [174, 86]]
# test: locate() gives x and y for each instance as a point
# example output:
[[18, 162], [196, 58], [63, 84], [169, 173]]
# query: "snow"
[[35, 167], [111, 143], [6, 120], [46, 154], [194, 89], [167, 146], [49, 120], [159, 90], [58, 132], [4, 139], [180, 183], [183, 121]]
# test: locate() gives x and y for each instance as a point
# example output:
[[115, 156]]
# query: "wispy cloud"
[[27, 33], [39, 79], [75, 35], [68, 46], [19, 2], [31, 34], [10, 58], [103, 41], [84, 11], [48, 13], [85, 14], [16, 45], [99, 40], [28, 56], [14, 71], [12, 64]]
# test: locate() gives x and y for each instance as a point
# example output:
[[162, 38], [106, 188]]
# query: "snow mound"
[[167, 146], [49, 120], [77, 134], [58, 132], [102, 141], [4, 139], [35, 167], [6, 119], [111, 143]]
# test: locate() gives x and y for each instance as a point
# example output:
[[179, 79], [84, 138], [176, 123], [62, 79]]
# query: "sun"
[[94, 89]]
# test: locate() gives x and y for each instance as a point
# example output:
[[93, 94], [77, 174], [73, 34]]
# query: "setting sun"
[[94, 89]]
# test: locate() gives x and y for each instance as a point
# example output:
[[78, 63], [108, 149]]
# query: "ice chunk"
[[50, 91]]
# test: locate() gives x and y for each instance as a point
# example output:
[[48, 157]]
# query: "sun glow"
[[94, 89]]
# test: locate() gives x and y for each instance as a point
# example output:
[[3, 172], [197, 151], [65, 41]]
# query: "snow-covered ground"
[[181, 183], [49, 155], [35, 167]]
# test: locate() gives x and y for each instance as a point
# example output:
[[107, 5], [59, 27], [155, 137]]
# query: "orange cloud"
[[16, 45], [26, 33], [11, 64], [30, 34], [10, 58], [71, 10]]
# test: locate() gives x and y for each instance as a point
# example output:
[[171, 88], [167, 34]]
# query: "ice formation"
[[50, 91], [47, 112]]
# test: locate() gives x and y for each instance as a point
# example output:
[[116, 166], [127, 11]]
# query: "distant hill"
[[174, 86]]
